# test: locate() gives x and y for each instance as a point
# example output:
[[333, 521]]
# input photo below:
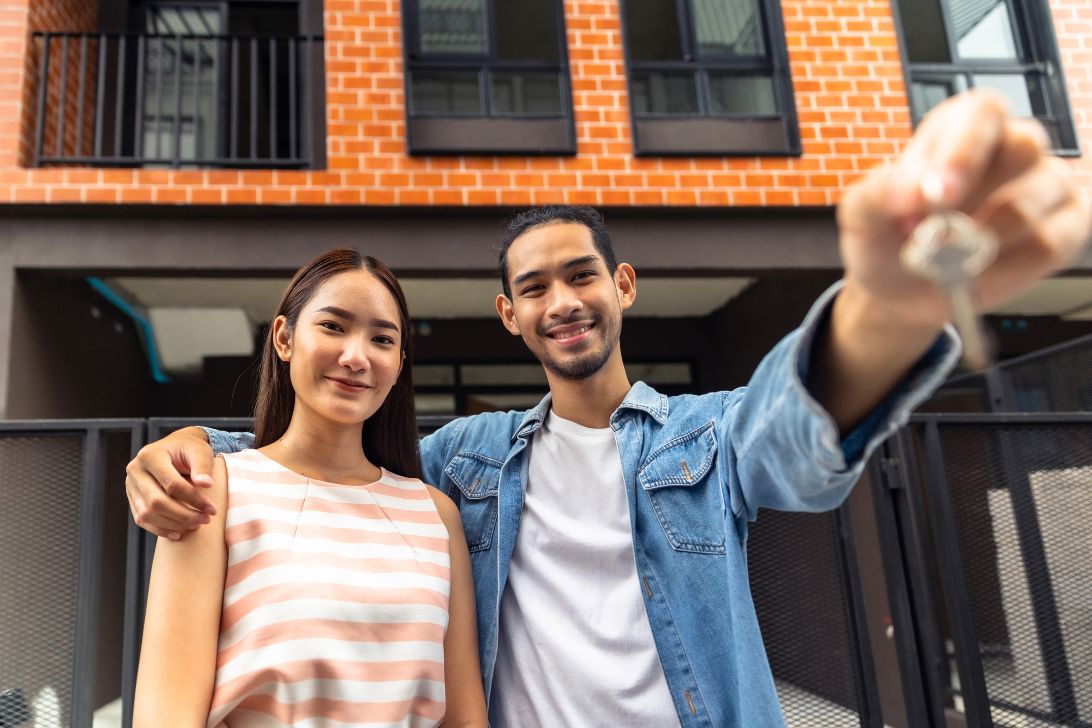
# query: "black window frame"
[[720, 135], [494, 134], [1033, 26]]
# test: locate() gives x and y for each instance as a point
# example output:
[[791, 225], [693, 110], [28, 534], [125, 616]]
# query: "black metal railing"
[[154, 100], [984, 528], [818, 651], [1055, 379], [60, 515]]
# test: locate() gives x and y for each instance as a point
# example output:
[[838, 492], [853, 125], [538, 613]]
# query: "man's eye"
[[532, 290], [584, 274]]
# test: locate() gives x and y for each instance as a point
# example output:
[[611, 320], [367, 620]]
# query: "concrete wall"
[[67, 361]]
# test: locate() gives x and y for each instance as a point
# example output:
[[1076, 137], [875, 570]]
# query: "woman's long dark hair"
[[390, 435]]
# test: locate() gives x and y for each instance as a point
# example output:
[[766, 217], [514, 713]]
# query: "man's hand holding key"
[[971, 162]]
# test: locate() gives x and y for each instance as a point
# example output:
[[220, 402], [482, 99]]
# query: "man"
[[608, 525]]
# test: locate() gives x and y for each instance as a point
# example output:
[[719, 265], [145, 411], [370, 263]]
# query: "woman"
[[332, 586]]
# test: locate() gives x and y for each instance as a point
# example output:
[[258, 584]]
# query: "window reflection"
[[452, 26], [983, 29]]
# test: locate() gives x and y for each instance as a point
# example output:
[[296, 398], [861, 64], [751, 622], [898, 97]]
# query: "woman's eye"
[[384, 340], [330, 326]]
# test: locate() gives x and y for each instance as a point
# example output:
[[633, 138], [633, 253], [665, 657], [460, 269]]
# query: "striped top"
[[335, 602]]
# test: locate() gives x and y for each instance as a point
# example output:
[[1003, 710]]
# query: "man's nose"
[[563, 302]]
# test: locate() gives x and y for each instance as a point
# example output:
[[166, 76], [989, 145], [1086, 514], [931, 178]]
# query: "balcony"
[[179, 100]]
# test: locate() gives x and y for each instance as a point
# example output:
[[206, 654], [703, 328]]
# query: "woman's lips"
[[348, 385]]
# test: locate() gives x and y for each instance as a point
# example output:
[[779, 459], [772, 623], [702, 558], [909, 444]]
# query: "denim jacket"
[[696, 469]]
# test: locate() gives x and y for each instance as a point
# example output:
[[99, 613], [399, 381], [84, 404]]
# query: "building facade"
[[178, 155], [165, 165]]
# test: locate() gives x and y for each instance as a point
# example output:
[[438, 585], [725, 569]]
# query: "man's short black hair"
[[534, 217]]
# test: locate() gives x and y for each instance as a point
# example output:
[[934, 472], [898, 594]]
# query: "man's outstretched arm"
[[975, 158]]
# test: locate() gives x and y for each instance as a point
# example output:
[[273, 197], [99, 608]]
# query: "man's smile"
[[570, 333]]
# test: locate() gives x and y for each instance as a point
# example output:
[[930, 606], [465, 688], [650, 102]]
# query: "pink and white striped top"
[[335, 602]]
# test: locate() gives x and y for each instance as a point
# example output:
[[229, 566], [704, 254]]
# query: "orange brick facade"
[[846, 70]]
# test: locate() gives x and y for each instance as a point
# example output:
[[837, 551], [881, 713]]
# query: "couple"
[[606, 528]]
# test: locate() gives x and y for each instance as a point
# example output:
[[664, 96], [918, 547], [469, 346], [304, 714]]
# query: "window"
[[709, 77], [487, 76], [192, 83], [1005, 45]]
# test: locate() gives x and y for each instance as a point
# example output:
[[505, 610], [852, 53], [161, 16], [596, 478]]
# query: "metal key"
[[951, 249]]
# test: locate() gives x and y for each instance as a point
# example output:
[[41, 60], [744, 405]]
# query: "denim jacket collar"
[[646, 399], [640, 397]]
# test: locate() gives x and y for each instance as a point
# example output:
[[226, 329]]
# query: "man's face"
[[565, 304]]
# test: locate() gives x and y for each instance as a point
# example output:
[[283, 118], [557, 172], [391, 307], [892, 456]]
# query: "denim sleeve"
[[225, 442], [436, 453], [788, 455]]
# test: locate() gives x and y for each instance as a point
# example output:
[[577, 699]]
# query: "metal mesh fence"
[[1021, 497], [800, 595], [40, 477], [1057, 380]]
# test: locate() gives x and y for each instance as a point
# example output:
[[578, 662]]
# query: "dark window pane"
[[923, 31], [652, 30], [983, 29], [527, 30], [727, 27], [925, 94], [452, 26], [662, 93], [1024, 93], [446, 92], [526, 93], [749, 95], [263, 18]]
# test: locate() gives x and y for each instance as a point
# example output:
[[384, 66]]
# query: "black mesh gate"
[[1054, 379], [51, 516], [803, 576], [993, 515], [55, 481]]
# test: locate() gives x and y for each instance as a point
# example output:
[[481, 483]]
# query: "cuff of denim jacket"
[[226, 442], [919, 383]]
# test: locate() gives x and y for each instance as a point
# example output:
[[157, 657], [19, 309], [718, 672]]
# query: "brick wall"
[[57, 16], [846, 72], [1073, 25]]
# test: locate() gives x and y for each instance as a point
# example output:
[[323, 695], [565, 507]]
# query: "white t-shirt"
[[575, 647]]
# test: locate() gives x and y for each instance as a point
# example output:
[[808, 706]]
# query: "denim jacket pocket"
[[688, 503], [477, 477]]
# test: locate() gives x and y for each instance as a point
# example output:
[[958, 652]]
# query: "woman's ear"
[[282, 338]]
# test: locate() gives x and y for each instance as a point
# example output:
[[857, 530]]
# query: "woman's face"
[[345, 353]]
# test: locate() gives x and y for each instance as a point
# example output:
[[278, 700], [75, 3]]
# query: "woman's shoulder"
[[446, 507]]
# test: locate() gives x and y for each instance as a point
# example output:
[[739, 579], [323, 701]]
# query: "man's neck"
[[590, 401]]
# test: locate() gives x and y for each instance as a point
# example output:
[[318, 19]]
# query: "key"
[[950, 249]]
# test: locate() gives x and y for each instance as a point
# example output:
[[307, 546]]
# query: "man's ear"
[[507, 314], [282, 340], [625, 278]]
